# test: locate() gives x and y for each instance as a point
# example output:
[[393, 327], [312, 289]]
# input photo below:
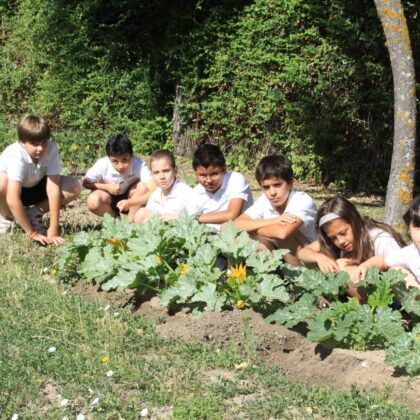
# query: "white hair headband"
[[328, 218]]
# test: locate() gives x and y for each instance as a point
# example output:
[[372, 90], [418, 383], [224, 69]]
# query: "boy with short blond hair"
[[31, 184]]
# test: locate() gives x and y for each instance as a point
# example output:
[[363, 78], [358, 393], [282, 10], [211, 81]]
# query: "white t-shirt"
[[407, 257], [234, 185], [298, 203], [103, 172], [172, 203], [16, 163], [383, 242]]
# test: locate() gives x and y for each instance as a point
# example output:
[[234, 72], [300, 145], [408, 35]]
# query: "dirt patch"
[[300, 359]]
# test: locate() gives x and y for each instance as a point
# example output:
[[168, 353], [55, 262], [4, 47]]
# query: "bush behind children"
[[336, 237]]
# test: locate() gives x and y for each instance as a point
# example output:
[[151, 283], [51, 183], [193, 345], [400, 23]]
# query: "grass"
[[168, 377]]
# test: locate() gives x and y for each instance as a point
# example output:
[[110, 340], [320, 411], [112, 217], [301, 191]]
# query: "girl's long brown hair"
[[363, 248]]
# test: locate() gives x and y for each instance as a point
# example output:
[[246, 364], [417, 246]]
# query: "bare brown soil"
[[273, 344]]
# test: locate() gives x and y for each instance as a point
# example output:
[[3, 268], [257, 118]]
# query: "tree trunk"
[[401, 178], [184, 143]]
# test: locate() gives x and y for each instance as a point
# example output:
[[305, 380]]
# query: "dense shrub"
[[310, 78]]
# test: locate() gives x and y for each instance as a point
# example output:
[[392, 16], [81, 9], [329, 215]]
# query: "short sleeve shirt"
[[103, 172], [172, 203], [407, 257], [234, 185], [383, 242], [298, 203], [16, 163]]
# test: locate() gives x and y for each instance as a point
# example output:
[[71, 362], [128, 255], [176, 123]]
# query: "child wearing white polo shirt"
[[171, 195], [282, 217], [31, 184], [220, 195], [119, 182], [405, 259]]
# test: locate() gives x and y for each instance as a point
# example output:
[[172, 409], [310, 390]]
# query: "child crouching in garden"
[[346, 239], [220, 195], [406, 259], [119, 182], [171, 195], [282, 217], [31, 184]]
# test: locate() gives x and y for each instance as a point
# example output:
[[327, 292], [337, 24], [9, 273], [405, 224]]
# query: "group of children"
[[335, 237]]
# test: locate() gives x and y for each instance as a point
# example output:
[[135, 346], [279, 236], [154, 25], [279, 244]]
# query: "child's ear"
[[292, 182]]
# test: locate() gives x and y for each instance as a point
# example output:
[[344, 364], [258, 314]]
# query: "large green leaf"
[[300, 311], [208, 295], [121, 280]]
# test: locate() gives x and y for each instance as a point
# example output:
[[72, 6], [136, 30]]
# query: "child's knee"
[[94, 201], [71, 187], [3, 186], [141, 215]]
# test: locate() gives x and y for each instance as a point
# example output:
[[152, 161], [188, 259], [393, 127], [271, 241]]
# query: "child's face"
[[35, 150], [121, 163], [210, 178], [415, 235], [340, 233], [163, 173], [276, 190]]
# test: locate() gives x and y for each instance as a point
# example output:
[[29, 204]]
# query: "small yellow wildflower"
[[417, 337], [184, 270], [238, 272], [240, 304], [53, 271], [105, 359], [241, 366], [158, 260], [73, 147]]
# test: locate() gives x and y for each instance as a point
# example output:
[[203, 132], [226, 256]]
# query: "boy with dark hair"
[[220, 195], [119, 182], [282, 217], [31, 184]]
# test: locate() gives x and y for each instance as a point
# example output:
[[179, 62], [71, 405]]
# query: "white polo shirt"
[[298, 203], [234, 185], [172, 203], [407, 257], [16, 163], [383, 242], [103, 172]]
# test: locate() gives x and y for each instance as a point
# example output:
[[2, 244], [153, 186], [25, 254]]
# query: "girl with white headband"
[[346, 239]]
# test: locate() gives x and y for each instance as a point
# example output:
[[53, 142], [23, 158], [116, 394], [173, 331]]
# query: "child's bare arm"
[[312, 254], [281, 231], [54, 201], [111, 187], [232, 212], [359, 273], [247, 223], [17, 208], [140, 197], [14, 202]]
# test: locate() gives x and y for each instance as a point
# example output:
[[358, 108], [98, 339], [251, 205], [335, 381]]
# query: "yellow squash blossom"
[[240, 304], [184, 270], [238, 272], [158, 260], [117, 242]]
